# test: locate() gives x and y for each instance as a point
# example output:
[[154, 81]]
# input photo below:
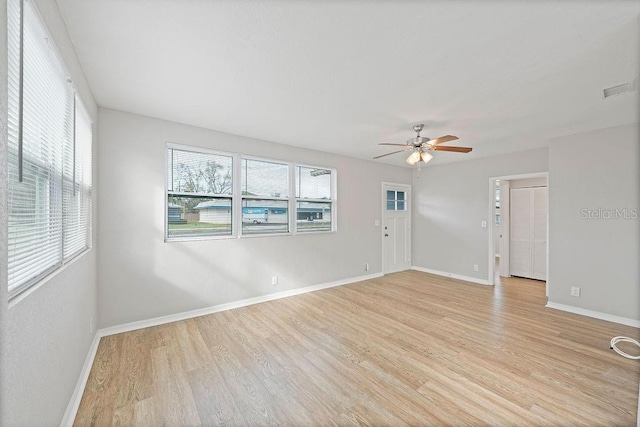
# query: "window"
[[76, 187], [48, 155], [205, 201], [396, 200], [199, 194], [314, 199], [265, 197]]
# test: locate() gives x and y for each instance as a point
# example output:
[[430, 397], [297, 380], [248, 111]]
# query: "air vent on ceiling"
[[619, 89]]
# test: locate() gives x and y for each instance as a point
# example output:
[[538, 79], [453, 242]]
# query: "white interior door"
[[528, 232], [520, 232], [396, 240]]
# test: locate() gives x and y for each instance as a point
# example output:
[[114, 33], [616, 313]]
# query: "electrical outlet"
[[475, 267], [575, 291], [366, 266], [91, 325], [274, 280], [483, 224]]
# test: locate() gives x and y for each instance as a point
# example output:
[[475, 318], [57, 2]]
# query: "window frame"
[[242, 197], [332, 199], [232, 196], [396, 200], [80, 186], [237, 197]]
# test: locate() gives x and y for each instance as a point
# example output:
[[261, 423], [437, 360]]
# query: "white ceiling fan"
[[420, 146]]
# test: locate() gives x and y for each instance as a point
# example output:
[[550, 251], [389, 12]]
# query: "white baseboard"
[[76, 397], [74, 402], [452, 275], [594, 314], [228, 306]]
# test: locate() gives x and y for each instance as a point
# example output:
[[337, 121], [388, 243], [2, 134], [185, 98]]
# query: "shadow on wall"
[[210, 272]]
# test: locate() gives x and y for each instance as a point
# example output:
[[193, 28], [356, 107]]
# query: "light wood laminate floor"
[[405, 349]]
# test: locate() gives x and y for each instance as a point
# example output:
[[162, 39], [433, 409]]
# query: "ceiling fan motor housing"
[[418, 140]]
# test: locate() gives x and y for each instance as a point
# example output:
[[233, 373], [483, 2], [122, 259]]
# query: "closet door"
[[520, 245], [539, 244], [528, 233]]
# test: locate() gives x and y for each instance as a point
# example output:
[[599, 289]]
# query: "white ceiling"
[[341, 76]]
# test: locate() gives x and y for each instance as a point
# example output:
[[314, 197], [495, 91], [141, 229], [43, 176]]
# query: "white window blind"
[[49, 176], [314, 199], [265, 197], [77, 187], [199, 194]]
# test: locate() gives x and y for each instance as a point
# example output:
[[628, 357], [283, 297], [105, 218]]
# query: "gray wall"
[[451, 200], [142, 277], [595, 170], [46, 333]]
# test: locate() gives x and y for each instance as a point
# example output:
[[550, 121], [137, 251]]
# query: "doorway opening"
[[519, 246]]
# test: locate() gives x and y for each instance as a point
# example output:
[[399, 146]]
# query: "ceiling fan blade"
[[388, 154], [456, 149], [442, 139], [391, 143]]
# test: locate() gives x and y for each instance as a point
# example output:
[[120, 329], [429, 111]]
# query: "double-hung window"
[[48, 154], [314, 199], [265, 197], [199, 193]]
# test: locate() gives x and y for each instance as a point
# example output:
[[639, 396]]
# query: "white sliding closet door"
[[520, 233], [528, 233]]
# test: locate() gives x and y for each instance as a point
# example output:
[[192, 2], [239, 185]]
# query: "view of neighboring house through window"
[[204, 200], [199, 193], [314, 199], [265, 197], [48, 155]]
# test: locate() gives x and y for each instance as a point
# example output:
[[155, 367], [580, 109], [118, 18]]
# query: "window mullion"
[[237, 196], [265, 198], [186, 194], [293, 205]]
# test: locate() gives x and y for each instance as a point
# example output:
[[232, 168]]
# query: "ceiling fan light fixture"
[[419, 145], [413, 158]]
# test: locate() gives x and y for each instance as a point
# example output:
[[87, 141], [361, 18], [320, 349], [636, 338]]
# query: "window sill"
[[245, 236], [16, 299], [196, 239]]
